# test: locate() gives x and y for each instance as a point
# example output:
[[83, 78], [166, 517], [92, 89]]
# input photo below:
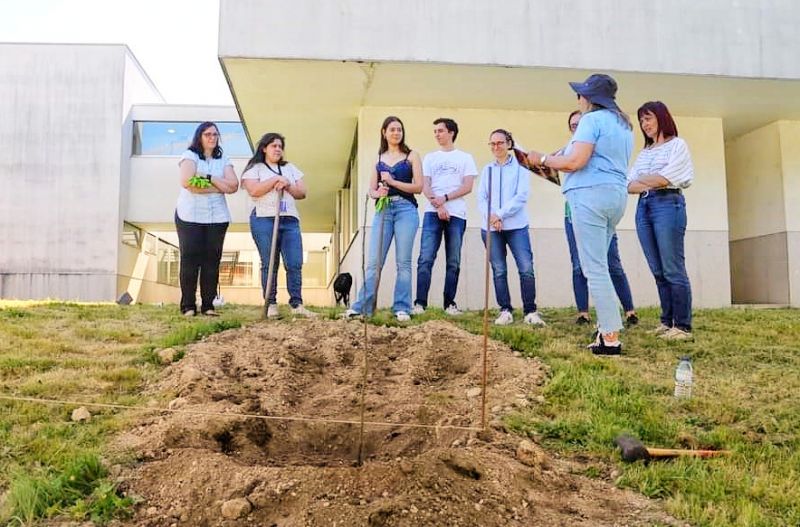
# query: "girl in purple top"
[[396, 178]]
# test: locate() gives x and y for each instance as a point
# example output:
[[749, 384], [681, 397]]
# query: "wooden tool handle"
[[672, 452]]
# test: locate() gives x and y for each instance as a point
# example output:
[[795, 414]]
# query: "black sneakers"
[[599, 346]]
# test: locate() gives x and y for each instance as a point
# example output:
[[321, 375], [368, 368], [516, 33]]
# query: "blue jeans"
[[519, 241], [596, 211], [432, 230], [661, 226], [289, 245], [400, 221], [618, 277]]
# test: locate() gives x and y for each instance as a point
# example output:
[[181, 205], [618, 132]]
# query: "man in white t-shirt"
[[448, 177]]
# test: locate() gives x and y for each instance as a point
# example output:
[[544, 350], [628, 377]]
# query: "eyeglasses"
[[498, 143], [210, 134]]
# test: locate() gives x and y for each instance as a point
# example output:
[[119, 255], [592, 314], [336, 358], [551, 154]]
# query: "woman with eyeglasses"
[[661, 171], [509, 224], [202, 217], [596, 159], [580, 287], [394, 180]]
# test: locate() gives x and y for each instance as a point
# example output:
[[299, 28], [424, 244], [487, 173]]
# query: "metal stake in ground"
[[379, 262], [486, 301], [379, 259], [272, 250]]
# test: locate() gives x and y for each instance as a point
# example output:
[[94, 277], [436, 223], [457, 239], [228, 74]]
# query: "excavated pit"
[[193, 467]]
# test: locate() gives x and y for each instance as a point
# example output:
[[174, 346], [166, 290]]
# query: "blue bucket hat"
[[598, 89]]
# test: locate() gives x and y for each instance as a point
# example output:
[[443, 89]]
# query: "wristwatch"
[[446, 197], [208, 177], [543, 159]]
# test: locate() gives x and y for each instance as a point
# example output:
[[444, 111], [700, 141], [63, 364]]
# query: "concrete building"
[[327, 73], [90, 177], [90, 213], [64, 166]]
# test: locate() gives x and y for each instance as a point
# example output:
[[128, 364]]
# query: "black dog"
[[341, 288]]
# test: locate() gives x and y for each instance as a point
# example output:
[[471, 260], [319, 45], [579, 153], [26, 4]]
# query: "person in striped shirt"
[[661, 172]]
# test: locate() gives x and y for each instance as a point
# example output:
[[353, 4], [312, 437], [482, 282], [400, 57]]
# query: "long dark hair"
[[622, 117], [666, 124], [569, 119], [196, 145], [259, 156], [385, 144]]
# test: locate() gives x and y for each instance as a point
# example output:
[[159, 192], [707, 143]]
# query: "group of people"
[[595, 162], [202, 217]]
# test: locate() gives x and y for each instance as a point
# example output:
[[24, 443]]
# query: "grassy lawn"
[[746, 398], [89, 352]]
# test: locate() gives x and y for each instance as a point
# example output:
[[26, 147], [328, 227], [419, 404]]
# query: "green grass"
[[746, 398], [104, 353]]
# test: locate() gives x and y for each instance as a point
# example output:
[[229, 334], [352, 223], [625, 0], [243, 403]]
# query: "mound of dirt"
[[248, 467]]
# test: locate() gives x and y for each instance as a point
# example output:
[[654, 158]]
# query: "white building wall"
[[754, 38], [62, 108]]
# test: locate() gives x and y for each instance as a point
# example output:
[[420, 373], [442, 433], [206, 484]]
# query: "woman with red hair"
[[661, 172]]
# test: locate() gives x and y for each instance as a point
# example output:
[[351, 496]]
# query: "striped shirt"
[[670, 160]]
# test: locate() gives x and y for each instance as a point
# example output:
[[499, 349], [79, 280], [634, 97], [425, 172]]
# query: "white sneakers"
[[402, 316], [505, 318], [452, 310], [301, 311], [676, 334], [534, 319], [661, 329], [350, 313]]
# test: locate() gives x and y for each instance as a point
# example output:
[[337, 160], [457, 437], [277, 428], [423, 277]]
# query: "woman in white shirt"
[[266, 174], [661, 172], [202, 217]]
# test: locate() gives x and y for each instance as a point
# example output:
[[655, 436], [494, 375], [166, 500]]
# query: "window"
[[233, 271], [131, 235], [168, 264], [161, 138]]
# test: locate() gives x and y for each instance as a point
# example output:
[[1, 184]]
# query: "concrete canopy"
[[315, 104]]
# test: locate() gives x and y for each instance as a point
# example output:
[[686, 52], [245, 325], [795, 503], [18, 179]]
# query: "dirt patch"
[[209, 470]]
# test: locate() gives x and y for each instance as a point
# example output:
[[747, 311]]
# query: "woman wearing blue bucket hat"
[[596, 160]]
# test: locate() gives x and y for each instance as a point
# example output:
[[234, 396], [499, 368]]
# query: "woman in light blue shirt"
[[596, 159], [202, 217]]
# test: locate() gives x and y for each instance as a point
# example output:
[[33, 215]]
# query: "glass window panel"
[[163, 138]]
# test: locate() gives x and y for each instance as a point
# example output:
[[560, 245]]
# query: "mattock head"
[[631, 448]]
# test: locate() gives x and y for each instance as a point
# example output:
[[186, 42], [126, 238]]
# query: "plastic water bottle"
[[683, 378]]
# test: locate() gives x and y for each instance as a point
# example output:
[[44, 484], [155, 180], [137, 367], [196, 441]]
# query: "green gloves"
[[199, 181]]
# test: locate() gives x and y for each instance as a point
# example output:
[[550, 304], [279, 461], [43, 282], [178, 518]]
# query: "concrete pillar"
[[763, 200]]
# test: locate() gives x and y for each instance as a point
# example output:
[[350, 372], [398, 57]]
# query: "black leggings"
[[201, 251]]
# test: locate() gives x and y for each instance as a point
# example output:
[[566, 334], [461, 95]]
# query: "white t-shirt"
[[266, 204], [447, 171]]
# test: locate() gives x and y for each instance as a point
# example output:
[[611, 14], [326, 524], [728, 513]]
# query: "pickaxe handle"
[[673, 452]]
